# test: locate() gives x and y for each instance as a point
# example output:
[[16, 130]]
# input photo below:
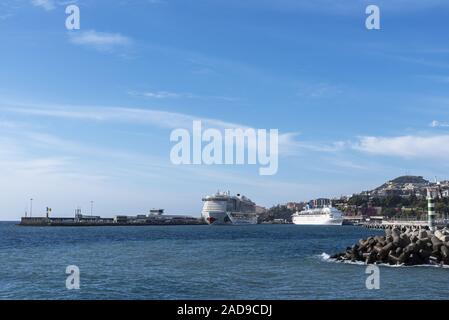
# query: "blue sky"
[[87, 114]]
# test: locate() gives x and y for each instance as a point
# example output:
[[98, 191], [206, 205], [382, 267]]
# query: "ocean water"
[[199, 262]]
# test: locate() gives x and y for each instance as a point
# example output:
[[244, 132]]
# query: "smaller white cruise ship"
[[319, 216]]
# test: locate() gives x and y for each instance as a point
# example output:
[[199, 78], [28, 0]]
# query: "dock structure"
[[81, 220], [396, 224], [411, 224]]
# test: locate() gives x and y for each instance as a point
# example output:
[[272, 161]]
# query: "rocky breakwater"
[[401, 247]]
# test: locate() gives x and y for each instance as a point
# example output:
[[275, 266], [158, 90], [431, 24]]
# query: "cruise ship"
[[318, 216], [222, 208]]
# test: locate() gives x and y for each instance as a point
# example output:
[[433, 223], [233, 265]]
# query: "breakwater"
[[104, 222], [401, 246]]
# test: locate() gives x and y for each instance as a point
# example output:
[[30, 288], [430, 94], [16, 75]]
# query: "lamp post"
[[31, 207], [91, 208]]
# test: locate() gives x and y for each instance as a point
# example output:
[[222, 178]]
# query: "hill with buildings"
[[402, 186], [402, 196]]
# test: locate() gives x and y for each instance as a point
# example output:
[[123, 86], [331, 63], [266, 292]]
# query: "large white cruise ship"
[[222, 208], [318, 216]]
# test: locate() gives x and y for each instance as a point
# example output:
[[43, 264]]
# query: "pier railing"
[[404, 223]]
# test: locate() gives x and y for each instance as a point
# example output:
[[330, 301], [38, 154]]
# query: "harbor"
[[317, 237], [405, 202]]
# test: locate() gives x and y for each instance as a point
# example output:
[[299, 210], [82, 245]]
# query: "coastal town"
[[403, 198]]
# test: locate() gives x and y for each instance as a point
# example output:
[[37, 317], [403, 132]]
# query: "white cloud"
[[410, 147], [46, 4], [439, 124], [290, 145], [179, 95], [102, 41], [348, 164], [407, 146], [157, 118], [160, 94], [319, 90]]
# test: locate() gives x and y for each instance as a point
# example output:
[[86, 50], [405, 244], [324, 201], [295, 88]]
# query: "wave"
[[327, 258]]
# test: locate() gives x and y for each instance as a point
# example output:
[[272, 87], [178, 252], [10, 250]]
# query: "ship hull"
[[243, 219], [216, 218], [317, 221], [228, 218]]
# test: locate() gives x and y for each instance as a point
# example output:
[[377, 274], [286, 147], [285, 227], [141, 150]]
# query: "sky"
[[86, 115]]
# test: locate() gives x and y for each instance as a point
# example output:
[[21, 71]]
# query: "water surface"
[[199, 262]]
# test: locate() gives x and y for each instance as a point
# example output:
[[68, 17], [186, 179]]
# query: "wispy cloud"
[[293, 145], [102, 41], [348, 164], [409, 147], [439, 124], [160, 94], [318, 90], [178, 95], [6, 124], [156, 118], [438, 78], [46, 4]]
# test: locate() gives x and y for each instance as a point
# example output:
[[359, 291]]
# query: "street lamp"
[[91, 208], [31, 207]]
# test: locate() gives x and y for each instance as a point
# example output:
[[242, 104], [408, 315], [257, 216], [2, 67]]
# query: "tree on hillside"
[[277, 212]]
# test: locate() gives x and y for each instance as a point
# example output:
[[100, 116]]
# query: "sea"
[[200, 262]]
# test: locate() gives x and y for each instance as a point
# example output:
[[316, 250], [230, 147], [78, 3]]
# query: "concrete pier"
[[88, 221], [412, 224]]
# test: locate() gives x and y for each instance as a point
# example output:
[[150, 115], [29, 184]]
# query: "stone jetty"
[[401, 246]]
